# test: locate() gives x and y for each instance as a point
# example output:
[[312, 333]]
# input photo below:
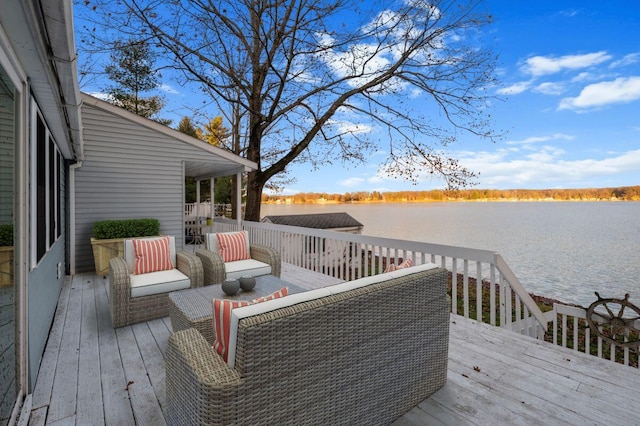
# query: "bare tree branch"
[[299, 70]]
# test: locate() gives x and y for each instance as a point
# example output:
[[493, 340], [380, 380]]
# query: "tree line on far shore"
[[627, 193]]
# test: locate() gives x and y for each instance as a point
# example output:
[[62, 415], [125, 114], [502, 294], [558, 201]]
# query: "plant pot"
[[6, 266], [104, 251]]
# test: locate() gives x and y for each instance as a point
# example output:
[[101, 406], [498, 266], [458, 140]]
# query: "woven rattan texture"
[[126, 310], [365, 356], [213, 266]]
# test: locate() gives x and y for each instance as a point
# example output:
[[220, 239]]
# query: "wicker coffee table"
[[192, 308]]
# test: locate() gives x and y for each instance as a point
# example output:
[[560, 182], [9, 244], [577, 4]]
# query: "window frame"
[[45, 188]]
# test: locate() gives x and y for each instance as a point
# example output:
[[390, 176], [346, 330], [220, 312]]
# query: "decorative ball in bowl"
[[231, 287], [247, 282]]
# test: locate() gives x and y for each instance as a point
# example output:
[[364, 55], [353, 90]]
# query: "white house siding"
[[129, 171]]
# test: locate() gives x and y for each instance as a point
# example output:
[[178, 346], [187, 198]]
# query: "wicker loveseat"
[[134, 299], [365, 352]]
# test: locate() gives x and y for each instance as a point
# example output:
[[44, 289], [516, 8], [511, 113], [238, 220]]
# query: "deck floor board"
[[89, 401], [93, 374], [115, 400]]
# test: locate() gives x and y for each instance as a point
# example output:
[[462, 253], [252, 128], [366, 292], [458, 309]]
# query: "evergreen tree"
[[132, 71], [187, 127]]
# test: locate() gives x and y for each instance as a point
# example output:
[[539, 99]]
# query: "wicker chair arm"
[[118, 277], [213, 266], [200, 385], [119, 291], [190, 265], [267, 255]]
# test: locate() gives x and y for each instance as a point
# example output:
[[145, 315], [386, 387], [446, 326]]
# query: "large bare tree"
[[326, 80]]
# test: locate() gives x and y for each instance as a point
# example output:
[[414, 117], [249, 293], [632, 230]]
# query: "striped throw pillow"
[[222, 318], [232, 246], [151, 255], [392, 267]]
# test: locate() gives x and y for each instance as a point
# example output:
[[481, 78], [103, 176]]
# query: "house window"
[[46, 175]]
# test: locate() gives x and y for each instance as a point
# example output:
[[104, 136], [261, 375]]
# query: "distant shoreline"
[[500, 200], [627, 193]]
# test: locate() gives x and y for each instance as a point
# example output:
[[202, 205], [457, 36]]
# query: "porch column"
[[239, 199], [197, 200], [212, 209]]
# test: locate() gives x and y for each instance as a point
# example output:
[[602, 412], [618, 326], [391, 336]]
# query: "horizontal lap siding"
[[129, 171]]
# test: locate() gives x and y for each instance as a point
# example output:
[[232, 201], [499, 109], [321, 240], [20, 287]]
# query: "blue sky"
[[570, 108]]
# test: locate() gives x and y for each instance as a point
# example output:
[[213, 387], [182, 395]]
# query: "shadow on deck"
[[92, 374]]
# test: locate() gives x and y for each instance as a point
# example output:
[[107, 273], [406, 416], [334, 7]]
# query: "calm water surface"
[[562, 250]]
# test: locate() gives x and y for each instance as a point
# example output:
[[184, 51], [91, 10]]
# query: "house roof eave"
[[200, 169]]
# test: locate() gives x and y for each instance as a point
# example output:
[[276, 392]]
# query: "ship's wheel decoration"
[[614, 320]]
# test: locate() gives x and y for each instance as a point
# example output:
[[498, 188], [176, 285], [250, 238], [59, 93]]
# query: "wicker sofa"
[[131, 302], [361, 352], [264, 261]]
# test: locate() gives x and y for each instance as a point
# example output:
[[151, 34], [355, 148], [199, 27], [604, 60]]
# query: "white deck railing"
[[497, 298], [204, 209], [570, 330]]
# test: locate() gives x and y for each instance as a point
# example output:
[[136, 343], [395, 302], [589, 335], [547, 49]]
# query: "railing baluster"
[[517, 310], [479, 291], [502, 303], [575, 333], [564, 330], [454, 285], [587, 341], [508, 308], [555, 325], [465, 287], [492, 295]]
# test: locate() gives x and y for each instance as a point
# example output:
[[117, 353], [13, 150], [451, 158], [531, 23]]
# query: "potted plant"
[[6, 255], [109, 235]]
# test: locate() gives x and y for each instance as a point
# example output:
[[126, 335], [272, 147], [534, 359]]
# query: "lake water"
[[562, 250]]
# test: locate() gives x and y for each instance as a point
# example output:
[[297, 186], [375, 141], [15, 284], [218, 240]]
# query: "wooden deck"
[[92, 374]]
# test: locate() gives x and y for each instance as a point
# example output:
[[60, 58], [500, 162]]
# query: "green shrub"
[[125, 228], [6, 235]]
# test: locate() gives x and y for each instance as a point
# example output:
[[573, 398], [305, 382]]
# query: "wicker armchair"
[[264, 260], [125, 308], [362, 355]]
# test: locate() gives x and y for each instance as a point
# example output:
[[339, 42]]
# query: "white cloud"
[[101, 95], [538, 139], [629, 59], [353, 128], [583, 76], [545, 168], [569, 12], [515, 89], [550, 88], [352, 182], [620, 90], [544, 65], [168, 89]]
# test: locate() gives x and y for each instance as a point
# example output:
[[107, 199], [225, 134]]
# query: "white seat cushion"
[[239, 268], [158, 282]]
